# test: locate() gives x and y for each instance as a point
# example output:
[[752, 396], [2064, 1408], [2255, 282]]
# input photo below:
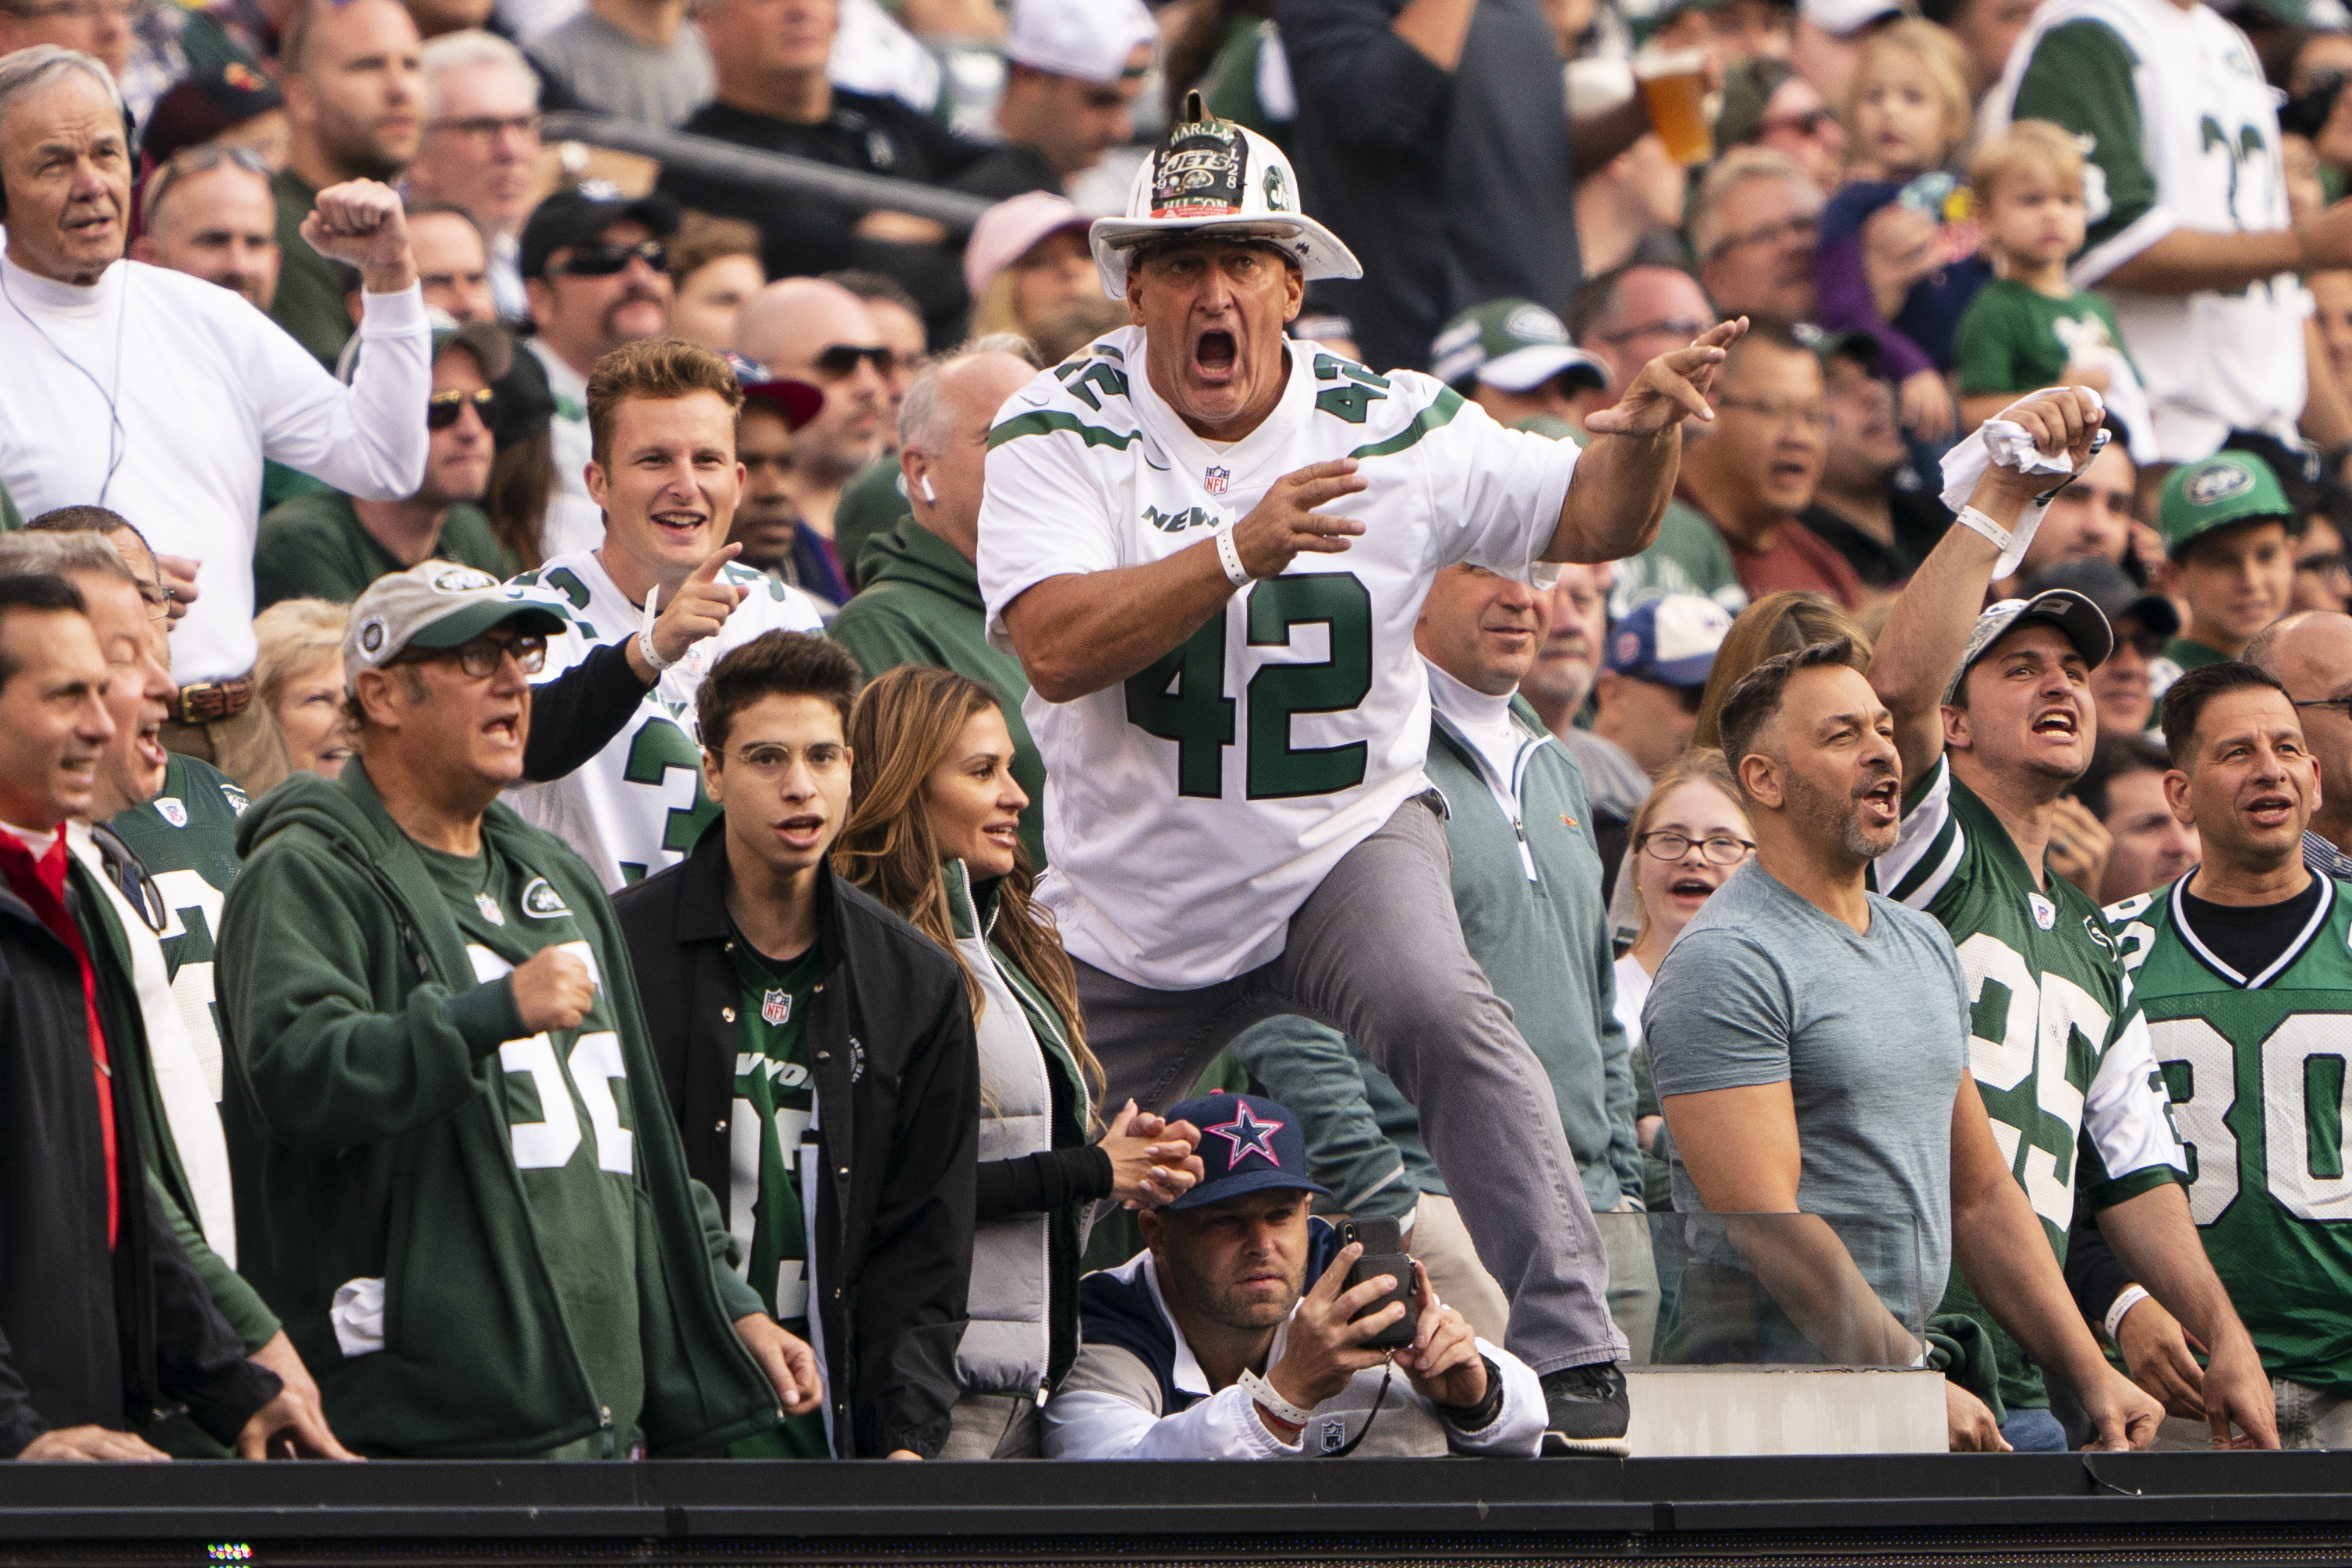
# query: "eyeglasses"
[[1809, 123], [1680, 327], [190, 162], [1721, 850], [2343, 705], [605, 260], [487, 127], [481, 657], [767, 762], [2331, 563], [1804, 226], [842, 359], [441, 410], [1810, 416]]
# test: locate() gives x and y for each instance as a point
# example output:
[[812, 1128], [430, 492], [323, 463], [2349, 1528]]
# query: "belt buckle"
[[189, 694]]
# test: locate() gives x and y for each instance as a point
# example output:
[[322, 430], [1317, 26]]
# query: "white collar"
[[36, 842], [31, 291], [1467, 706], [561, 379]]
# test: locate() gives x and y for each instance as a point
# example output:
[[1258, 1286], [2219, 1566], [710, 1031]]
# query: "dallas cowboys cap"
[[1668, 641], [1248, 1143], [2075, 617]]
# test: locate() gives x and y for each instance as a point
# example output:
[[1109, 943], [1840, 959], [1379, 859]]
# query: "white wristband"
[[2133, 1295], [1971, 517], [1282, 1409], [645, 646], [1230, 558]]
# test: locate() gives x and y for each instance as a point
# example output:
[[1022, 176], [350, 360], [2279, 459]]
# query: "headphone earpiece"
[[928, 493]]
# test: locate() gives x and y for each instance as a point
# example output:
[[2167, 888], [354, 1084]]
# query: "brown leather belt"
[[209, 701]]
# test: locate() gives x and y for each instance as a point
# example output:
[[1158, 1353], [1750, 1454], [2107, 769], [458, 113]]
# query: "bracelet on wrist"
[[1229, 556], [1479, 1417], [1979, 523], [1270, 1400], [653, 659], [2130, 1296]]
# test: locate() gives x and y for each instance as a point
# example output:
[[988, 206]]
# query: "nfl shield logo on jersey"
[[172, 810], [775, 1007], [2045, 914], [1215, 480]]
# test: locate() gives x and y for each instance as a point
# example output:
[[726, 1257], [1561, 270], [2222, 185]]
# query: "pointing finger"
[[708, 570]]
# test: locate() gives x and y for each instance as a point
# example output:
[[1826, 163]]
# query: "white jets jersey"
[[640, 804], [2207, 158], [1196, 805]]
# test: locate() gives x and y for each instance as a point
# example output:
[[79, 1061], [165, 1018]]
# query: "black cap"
[[575, 218], [205, 104], [2105, 584]]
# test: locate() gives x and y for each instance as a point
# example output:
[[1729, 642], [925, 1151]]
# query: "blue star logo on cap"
[[1248, 1137]]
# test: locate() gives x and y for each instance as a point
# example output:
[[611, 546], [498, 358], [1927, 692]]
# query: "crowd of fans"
[[646, 815]]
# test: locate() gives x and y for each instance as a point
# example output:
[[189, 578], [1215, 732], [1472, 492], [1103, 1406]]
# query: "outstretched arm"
[[2153, 1235], [1625, 477], [1929, 630]]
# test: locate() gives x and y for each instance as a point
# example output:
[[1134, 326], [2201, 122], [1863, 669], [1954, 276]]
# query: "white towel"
[[2001, 440]]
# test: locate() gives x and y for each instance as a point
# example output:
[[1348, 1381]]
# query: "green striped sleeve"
[[1438, 414], [1045, 422]]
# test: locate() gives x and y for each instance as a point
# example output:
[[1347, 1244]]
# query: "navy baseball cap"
[[1248, 1143], [1668, 641]]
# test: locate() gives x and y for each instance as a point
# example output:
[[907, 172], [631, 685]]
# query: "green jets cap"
[[2225, 488], [436, 604], [1514, 344]]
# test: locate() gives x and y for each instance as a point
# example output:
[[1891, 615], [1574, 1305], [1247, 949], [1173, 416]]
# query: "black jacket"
[[897, 1098], [88, 1338]]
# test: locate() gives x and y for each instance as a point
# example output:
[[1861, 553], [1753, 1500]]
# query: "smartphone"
[[1383, 1244]]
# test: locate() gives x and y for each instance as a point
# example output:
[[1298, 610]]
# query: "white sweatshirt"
[[180, 387]]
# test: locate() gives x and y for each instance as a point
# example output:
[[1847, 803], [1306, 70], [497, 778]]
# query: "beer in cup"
[[1673, 87]]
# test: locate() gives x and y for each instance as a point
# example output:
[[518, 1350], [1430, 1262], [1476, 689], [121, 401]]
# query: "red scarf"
[[41, 884]]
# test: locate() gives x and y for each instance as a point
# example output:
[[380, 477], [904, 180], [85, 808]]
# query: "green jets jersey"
[[186, 838], [566, 1097], [775, 1103], [2256, 1066], [2061, 1058]]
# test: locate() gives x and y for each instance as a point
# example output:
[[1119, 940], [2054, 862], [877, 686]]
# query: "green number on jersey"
[[1103, 376], [564, 580], [1347, 400], [1182, 697], [660, 746], [1335, 684]]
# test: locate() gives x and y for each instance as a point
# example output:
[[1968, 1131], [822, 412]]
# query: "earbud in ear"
[[928, 493]]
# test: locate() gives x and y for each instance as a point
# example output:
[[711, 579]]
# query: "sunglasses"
[[842, 359], [1809, 123], [441, 410], [605, 260]]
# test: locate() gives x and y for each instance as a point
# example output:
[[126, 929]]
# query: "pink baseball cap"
[[1009, 230]]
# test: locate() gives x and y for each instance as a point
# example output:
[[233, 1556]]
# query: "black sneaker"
[[1588, 1411]]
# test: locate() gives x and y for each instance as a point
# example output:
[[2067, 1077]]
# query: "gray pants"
[[1376, 952]]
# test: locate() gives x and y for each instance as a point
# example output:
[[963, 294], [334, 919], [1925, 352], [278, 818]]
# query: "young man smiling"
[[662, 417], [1995, 721], [1145, 545], [804, 1029]]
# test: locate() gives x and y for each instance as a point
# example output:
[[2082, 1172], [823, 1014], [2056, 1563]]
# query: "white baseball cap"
[[1223, 179], [1088, 39]]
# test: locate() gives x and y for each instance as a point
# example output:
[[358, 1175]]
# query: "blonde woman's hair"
[[1699, 765], [904, 726], [1945, 63], [293, 633], [2027, 144], [1777, 624]]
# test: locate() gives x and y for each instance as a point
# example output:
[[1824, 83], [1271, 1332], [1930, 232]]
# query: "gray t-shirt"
[[1870, 1032], [591, 64]]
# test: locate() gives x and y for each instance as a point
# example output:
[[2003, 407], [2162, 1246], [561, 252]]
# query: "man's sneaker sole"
[[1556, 1447]]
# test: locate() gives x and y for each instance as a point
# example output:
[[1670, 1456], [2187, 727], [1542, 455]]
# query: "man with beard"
[[815, 330], [209, 213], [1995, 721], [597, 272], [1788, 1097], [1561, 677], [354, 99]]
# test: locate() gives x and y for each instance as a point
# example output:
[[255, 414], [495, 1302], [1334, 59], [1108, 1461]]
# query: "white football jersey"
[[640, 804], [2212, 360], [1196, 805]]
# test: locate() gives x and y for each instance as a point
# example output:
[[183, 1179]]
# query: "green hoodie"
[[368, 1143], [921, 605]]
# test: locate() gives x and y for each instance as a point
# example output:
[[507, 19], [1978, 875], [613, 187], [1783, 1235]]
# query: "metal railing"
[[783, 172]]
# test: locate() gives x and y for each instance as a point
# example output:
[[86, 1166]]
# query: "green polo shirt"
[[310, 302]]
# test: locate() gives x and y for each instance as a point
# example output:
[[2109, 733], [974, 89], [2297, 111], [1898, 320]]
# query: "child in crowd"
[[2031, 328], [1907, 115]]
